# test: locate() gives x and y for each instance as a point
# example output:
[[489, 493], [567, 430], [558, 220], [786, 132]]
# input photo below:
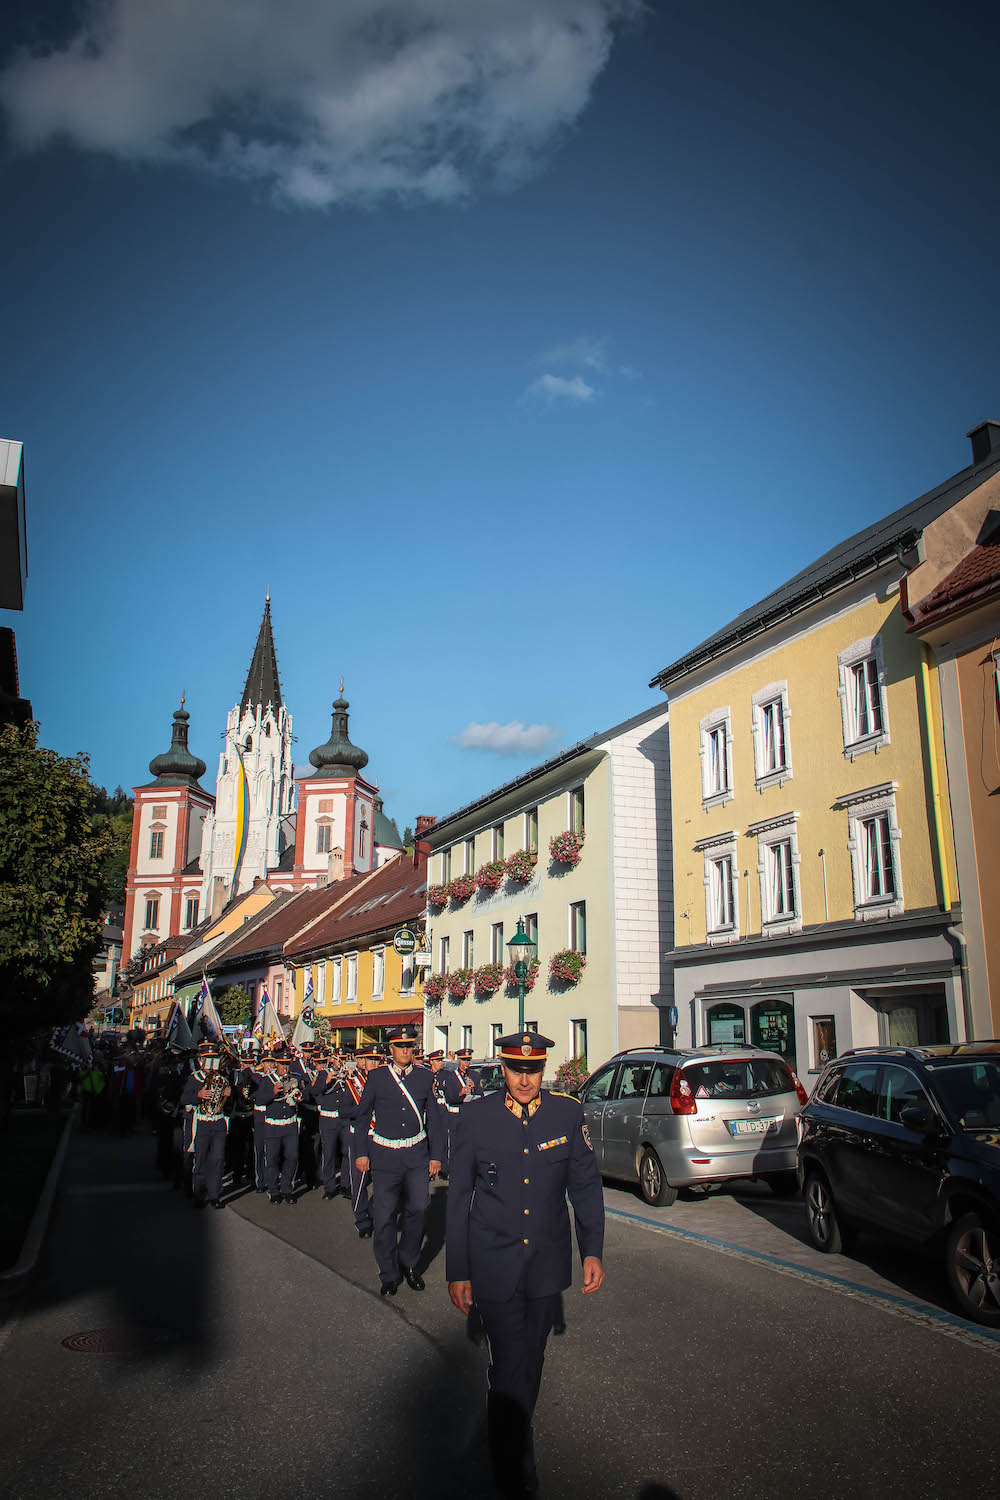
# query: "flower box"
[[489, 978], [438, 895], [529, 982], [567, 966], [566, 848], [491, 877], [435, 988], [521, 865], [571, 1074], [460, 982], [462, 887]]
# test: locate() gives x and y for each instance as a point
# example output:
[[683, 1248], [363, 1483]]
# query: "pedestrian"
[[398, 1137], [518, 1153]]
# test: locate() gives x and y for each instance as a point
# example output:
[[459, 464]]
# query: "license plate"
[[753, 1127]]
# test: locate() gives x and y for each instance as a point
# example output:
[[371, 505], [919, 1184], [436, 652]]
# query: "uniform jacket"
[[508, 1222], [333, 1098], [449, 1091], [384, 1111], [279, 1112]]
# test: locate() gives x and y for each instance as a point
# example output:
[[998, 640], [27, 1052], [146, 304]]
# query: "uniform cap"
[[525, 1046], [401, 1034], [433, 1056], [368, 1052], [464, 1052]]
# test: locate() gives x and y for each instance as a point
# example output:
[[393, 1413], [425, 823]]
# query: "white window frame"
[[528, 811], [582, 1022], [721, 846], [497, 841], [868, 648], [378, 973], [717, 722], [324, 837], [575, 792], [188, 924], [873, 802], [775, 692], [408, 976], [152, 926], [470, 855], [466, 1036], [445, 866], [769, 833], [320, 982], [156, 843], [351, 997], [497, 950], [496, 1032], [575, 907], [444, 954], [336, 981], [469, 948]]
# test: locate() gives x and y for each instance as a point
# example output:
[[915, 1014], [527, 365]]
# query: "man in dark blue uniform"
[[280, 1096], [205, 1093], [518, 1153], [337, 1107], [454, 1088], [358, 1182], [397, 1136]]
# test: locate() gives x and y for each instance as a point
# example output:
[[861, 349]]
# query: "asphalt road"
[[255, 1356]]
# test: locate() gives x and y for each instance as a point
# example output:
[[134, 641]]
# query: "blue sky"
[[515, 347]]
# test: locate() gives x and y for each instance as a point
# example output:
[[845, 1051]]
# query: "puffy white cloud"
[[582, 353], [549, 388], [325, 101], [514, 738]]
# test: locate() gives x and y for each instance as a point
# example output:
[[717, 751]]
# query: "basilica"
[[192, 852]]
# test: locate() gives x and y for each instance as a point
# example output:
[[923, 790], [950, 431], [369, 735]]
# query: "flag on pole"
[[211, 1021], [307, 998], [73, 1044], [267, 1017], [242, 816], [305, 1027], [178, 1032]]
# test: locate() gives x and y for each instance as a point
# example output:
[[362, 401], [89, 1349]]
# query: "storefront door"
[[726, 1025], [772, 1026]]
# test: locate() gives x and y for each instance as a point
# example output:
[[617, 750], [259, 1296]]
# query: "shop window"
[[824, 1040], [726, 1024], [772, 1026]]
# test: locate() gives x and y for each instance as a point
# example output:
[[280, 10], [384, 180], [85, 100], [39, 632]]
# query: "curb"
[[24, 1267]]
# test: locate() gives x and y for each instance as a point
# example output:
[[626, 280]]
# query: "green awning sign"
[[405, 941]]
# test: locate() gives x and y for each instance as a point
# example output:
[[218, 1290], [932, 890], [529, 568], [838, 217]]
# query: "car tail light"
[[803, 1097], [682, 1101]]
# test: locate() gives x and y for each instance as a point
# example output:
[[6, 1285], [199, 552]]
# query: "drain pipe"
[[961, 949], [925, 681], [826, 899]]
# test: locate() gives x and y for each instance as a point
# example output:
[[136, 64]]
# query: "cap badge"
[[526, 1050]]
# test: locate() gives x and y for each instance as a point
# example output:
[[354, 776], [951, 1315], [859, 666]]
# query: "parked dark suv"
[[906, 1141]]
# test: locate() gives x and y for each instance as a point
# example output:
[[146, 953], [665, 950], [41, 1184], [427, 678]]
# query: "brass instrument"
[[218, 1089], [289, 1089]]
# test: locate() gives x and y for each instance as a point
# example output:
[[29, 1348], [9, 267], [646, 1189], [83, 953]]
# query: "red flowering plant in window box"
[[460, 982], [489, 978], [462, 887], [491, 877], [510, 977], [521, 865], [567, 966], [438, 895], [435, 988], [566, 848]]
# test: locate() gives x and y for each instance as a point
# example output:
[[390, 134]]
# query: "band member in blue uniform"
[[206, 1092], [240, 1146], [397, 1136], [454, 1087], [358, 1182], [518, 1154], [336, 1105], [281, 1132]]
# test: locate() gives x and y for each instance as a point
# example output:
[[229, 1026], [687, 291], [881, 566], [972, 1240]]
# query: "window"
[[156, 844], [278, 987], [446, 867], [323, 837], [531, 829], [599, 1086], [857, 1089], [873, 844], [659, 1084], [716, 758], [721, 885], [496, 1032], [772, 756], [862, 696], [531, 1025], [444, 946], [578, 1038], [378, 971], [335, 981], [497, 953], [576, 809], [468, 950], [152, 912], [363, 840], [633, 1080], [466, 1036], [824, 1038], [496, 842], [740, 1078], [470, 856], [780, 881], [899, 1089], [578, 926], [777, 869], [321, 984], [531, 926], [191, 912], [352, 977]]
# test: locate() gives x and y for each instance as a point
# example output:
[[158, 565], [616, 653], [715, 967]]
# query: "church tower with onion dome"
[[253, 820], [335, 820]]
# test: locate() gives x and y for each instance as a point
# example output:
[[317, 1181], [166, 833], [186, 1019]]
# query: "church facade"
[[192, 853]]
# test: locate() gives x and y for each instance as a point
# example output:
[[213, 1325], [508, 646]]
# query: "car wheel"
[[826, 1229], [972, 1262], [782, 1184], [652, 1184]]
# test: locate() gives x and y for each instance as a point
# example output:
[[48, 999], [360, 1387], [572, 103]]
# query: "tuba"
[[217, 1091]]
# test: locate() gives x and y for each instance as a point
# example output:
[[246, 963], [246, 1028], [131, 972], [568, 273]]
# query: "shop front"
[[768, 1023]]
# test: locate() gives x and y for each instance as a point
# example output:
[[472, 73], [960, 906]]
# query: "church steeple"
[[177, 766], [262, 684], [338, 757]]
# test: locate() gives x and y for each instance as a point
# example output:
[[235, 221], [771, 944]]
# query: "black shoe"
[[274, 1197], [327, 1197], [260, 1189], [291, 1198], [413, 1279], [389, 1288], [217, 1203], [365, 1234]]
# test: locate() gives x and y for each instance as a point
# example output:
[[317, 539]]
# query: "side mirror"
[[918, 1118]]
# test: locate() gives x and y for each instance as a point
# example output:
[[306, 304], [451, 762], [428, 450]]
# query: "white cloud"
[[514, 738], [324, 101], [584, 352], [549, 388]]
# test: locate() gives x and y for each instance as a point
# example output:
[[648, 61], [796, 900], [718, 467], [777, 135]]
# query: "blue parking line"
[[927, 1310]]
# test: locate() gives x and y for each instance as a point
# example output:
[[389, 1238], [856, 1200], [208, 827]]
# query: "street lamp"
[[522, 952]]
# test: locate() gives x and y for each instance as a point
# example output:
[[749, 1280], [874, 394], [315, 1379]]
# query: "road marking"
[[932, 1317], [91, 1190]]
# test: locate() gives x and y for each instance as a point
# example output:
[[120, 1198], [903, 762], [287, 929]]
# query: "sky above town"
[[514, 345]]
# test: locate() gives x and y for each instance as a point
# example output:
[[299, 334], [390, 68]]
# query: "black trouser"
[[258, 1146], [209, 1158], [309, 1147], [359, 1184], [335, 1136], [240, 1152], [281, 1157], [517, 1331], [395, 1189], [164, 1124]]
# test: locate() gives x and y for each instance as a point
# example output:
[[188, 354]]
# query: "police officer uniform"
[[398, 1128], [508, 1234]]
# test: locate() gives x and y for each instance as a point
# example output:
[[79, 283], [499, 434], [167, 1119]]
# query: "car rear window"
[[970, 1092], [741, 1078]]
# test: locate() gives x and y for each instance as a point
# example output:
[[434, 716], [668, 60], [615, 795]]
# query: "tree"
[[233, 1006], [52, 856], [407, 840], [115, 814]]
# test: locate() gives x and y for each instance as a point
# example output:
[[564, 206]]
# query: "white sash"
[[409, 1097]]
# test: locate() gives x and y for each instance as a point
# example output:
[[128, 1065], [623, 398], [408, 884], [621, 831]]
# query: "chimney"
[[421, 852], [985, 441], [423, 823]]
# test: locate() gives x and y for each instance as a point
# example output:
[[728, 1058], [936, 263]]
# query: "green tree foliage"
[[115, 814], [52, 858], [408, 840], [233, 1006]]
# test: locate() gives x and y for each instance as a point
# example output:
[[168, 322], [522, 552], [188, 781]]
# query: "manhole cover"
[[99, 1341]]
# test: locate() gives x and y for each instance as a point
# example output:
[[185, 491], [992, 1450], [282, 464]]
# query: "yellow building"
[[815, 884], [360, 983]]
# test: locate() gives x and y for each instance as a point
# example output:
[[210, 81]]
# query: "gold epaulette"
[[558, 1094]]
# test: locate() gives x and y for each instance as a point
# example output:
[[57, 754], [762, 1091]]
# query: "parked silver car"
[[673, 1119]]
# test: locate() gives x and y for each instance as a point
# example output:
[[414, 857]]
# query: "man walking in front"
[[516, 1156]]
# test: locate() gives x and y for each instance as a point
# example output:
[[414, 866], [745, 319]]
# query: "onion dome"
[[338, 757], [177, 766]]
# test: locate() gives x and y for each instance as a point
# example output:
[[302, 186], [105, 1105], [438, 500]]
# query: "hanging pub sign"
[[404, 942]]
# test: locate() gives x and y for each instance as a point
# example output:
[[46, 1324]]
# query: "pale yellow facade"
[[369, 981]]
